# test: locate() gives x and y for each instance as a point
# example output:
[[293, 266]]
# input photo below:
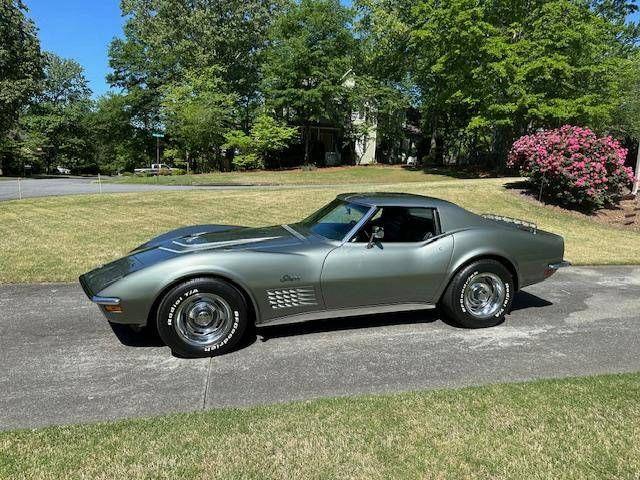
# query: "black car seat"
[[394, 220]]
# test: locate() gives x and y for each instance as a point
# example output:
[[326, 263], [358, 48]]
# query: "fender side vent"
[[291, 297]]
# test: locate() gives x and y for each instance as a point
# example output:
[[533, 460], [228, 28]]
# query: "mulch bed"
[[626, 215]]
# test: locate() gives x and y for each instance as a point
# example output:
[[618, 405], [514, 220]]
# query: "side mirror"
[[377, 233]]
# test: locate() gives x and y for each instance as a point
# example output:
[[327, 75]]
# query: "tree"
[[64, 82], [20, 66], [383, 91], [165, 40], [615, 10], [198, 112], [490, 71], [120, 145], [56, 124], [628, 113], [309, 56], [267, 136]]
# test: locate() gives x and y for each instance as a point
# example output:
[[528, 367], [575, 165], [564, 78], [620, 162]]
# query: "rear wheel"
[[480, 295], [202, 317]]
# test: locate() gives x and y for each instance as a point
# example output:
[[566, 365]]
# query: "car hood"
[[187, 240], [224, 237]]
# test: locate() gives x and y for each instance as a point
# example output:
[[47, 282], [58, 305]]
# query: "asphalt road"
[[62, 363], [44, 187]]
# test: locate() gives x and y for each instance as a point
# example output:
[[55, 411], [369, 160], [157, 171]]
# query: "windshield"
[[335, 220]]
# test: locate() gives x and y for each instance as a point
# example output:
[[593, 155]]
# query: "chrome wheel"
[[203, 319], [484, 295]]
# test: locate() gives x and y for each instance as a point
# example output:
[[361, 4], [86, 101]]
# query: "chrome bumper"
[[562, 264]]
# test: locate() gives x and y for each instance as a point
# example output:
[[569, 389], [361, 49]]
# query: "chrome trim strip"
[[227, 243], [167, 249], [562, 264], [347, 312], [293, 232], [105, 300]]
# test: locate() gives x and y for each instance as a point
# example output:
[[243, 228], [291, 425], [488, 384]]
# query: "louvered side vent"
[[291, 297]]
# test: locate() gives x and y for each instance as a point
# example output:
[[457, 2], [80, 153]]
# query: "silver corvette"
[[201, 287]]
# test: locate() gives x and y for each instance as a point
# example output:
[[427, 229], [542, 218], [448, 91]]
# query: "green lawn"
[[572, 429], [55, 239], [321, 176]]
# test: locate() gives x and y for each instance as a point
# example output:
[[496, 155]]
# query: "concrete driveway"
[[62, 363]]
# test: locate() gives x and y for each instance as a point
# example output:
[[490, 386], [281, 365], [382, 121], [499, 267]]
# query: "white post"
[[19, 190], [99, 183], [636, 183]]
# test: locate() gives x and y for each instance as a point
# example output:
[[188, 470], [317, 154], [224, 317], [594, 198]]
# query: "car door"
[[387, 273]]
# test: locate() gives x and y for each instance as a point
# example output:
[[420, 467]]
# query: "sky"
[[83, 29], [79, 29]]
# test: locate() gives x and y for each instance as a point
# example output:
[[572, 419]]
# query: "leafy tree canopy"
[[55, 128], [165, 40], [308, 63], [199, 111], [20, 69], [20, 61]]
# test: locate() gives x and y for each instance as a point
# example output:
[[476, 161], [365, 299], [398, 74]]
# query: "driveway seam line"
[[206, 385]]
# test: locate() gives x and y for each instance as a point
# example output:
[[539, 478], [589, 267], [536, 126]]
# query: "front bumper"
[[112, 301]]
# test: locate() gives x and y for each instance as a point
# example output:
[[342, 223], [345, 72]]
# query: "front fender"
[[139, 290]]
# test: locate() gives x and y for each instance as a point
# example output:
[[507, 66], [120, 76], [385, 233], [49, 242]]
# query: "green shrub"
[[267, 136], [247, 161], [127, 174], [178, 171]]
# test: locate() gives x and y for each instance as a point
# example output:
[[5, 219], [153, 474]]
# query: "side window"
[[401, 225]]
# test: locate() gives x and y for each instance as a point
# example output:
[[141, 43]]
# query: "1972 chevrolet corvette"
[[202, 286]]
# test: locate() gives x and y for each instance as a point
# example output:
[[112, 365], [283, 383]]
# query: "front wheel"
[[480, 295], [202, 317]]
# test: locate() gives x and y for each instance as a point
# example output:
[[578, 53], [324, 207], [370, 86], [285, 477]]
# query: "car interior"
[[401, 225]]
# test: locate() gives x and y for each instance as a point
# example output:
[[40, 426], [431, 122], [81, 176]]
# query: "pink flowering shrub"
[[574, 166]]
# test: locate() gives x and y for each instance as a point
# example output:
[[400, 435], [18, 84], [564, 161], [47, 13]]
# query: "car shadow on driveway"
[[145, 337], [346, 323], [522, 300], [149, 338]]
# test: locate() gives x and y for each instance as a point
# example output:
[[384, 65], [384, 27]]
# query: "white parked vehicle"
[[412, 161], [62, 171], [155, 168]]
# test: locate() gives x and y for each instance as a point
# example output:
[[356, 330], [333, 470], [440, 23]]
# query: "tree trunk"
[[307, 132], [433, 141], [636, 183]]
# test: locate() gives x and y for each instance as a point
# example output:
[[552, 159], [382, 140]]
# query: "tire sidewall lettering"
[[236, 322], [507, 299], [464, 287], [178, 301]]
